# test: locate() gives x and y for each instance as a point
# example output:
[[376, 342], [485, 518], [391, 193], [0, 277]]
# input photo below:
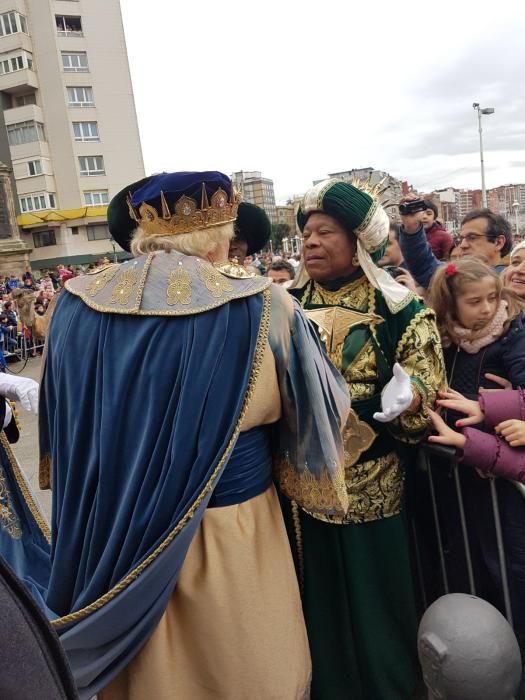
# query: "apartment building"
[[70, 122], [286, 215], [257, 190], [391, 188]]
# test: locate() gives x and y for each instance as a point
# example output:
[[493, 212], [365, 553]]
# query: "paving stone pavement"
[[26, 449]]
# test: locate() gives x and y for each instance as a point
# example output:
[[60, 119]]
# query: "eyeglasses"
[[472, 237]]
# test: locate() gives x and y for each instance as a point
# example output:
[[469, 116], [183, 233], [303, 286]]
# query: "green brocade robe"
[[373, 459], [356, 574]]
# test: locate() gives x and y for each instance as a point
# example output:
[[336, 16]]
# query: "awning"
[[42, 217], [83, 259]]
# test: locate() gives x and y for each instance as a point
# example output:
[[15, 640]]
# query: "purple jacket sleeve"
[[502, 405], [493, 456]]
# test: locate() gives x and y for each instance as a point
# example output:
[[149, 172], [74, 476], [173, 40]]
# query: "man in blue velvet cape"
[[149, 372]]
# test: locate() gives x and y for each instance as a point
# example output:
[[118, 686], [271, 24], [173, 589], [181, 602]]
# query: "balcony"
[[12, 42], [23, 114], [69, 32], [34, 150], [19, 81]]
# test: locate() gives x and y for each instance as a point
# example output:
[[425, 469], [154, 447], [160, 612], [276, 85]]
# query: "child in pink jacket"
[[500, 452]]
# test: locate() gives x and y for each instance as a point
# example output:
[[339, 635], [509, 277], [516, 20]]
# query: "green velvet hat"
[[121, 225], [253, 226], [352, 207]]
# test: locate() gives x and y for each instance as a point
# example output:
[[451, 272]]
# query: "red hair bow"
[[450, 270]]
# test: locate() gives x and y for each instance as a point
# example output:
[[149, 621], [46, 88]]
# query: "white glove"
[[396, 397], [20, 389]]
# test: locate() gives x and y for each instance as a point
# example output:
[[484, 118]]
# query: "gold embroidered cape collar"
[[163, 284]]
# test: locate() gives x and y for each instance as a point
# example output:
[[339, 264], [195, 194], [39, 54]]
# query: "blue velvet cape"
[[137, 448], [141, 407]]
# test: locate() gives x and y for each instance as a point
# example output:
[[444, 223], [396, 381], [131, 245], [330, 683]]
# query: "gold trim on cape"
[[24, 489], [262, 338]]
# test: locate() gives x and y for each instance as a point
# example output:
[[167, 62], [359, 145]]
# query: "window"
[[25, 132], [75, 62], [43, 238], [86, 131], [22, 100], [10, 63], [96, 198], [68, 26], [80, 96], [34, 167], [98, 232], [38, 201], [11, 23], [91, 165]]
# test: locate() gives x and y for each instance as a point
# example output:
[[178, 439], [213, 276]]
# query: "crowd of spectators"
[[43, 285]]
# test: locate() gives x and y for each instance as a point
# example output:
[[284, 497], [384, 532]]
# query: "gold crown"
[[187, 216]]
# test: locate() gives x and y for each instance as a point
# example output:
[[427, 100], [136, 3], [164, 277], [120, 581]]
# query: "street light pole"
[[480, 111], [516, 206]]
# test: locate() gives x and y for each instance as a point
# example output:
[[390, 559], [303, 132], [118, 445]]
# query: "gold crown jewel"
[[378, 191], [187, 215]]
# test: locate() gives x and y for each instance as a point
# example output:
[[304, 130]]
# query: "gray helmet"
[[468, 650]]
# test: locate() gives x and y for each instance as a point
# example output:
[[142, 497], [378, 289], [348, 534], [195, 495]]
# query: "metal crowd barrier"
[[20, 345], [448, 510]]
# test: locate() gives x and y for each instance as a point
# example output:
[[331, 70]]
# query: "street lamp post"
[[516, 207], [480, 111]]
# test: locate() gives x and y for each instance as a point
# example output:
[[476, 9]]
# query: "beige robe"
[[234, 627]]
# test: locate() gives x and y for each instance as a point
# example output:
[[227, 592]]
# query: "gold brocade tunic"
[[371, 340]]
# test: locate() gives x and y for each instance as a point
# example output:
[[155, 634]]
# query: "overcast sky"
[[299, 89]]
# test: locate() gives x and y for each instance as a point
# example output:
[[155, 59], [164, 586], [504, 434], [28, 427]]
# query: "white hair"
[[200, 242]]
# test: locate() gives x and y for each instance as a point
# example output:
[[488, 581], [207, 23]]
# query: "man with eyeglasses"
[[483, 235]]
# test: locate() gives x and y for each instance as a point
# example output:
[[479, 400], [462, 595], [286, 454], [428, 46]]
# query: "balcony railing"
[[69, 32]]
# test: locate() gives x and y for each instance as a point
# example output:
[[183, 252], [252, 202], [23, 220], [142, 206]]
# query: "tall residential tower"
[[70, 120]]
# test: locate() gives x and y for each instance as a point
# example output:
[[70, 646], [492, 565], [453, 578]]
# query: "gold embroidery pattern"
[[216, 283], [8, 518], [358, 436], [24, 489], [354, 294], [98, 283], [361, 374], [234, 270], [262, 339], [363, 368], [44, 472], [179, 287], [298, 531], [326, 493], [334, 324], [123, 287], [419, 352], [184, 311], [375, 491]]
